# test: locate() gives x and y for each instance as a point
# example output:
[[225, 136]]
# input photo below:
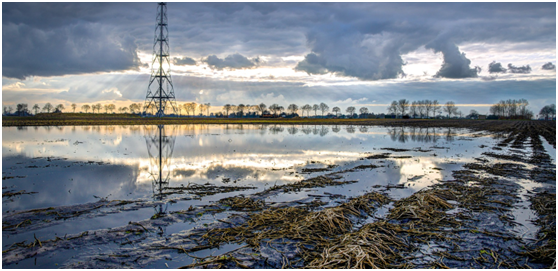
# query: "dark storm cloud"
[[233, 62], [348, 53], [520, 69], [496, 67], [548, 66], [312, 64], [455, 64], [49, 39], [184, 61], [363, 40]]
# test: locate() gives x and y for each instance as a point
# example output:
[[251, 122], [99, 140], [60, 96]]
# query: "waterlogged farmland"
[[255, 196]]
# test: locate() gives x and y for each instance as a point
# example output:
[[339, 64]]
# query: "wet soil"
[[471, 219]]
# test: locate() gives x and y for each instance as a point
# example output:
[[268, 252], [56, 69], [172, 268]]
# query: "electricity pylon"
[[160, 92]]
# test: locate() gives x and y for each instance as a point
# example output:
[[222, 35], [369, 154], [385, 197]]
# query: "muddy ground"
[[466, 221]]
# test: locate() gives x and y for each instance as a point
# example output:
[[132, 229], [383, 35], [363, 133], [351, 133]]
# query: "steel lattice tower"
[[160, 92]]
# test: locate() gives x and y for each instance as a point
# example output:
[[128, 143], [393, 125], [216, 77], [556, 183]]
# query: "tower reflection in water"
[[160, 145]]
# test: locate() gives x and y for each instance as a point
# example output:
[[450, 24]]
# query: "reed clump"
[[544, 250], [425, 207], [242, 203], [312, 231], [370, 247], [320, 181]]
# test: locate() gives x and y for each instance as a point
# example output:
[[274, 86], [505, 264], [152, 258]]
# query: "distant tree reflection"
[[426, 135], [292, 130], [336, 128]]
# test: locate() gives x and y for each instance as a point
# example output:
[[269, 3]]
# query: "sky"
[[342, 54]]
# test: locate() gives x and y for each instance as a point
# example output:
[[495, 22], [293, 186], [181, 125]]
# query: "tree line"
[[422, 108], [511, 108]]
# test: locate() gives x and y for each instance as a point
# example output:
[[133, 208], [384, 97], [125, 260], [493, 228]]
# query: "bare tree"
[[436, 107], [393, 108], [450, 108], [306, 108], [402, 105], [98, 106], [47, 107], [240, 109], [293, 108], [281, 109], [421, 108], [134, 107], [207, 106], [106, 107], [85, 107], [413, 109], [315, 107], [363, 111], [8, 110], [324, 108], [263, 107], [36, 108], [60, 107], [336, 110], [351, 110], [111, 107], [227, 108], [74, 107], [274, 108], [21, 109]]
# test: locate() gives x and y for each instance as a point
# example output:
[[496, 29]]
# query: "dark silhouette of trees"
[[74, 107], [511, 108], [60, 107], [548, 111], [402, 106], [324, 108], [274, 108], [393, 108], [450, 108], [85, 107], [293, 108], [226, 108], [413, 109], [306, 108], [473, 114], [363, 110], [36, 108], [207, 107], [263, 107], [350, 110], [47, 107], [315, 107], [21, 109], [336, 110]]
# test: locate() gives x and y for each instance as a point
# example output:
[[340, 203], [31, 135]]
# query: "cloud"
[[494, 67], [351, 101], [352, 54], [233, 62], [76, 48], [184, 61], [548, 66], [361, 40], [312, 64], [455, 65], [521, 69]]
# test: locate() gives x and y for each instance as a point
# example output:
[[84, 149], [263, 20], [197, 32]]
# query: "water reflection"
[[160, 146], [426, 135]]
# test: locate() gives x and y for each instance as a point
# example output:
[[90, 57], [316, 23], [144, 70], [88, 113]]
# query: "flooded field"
[[256, 196]]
